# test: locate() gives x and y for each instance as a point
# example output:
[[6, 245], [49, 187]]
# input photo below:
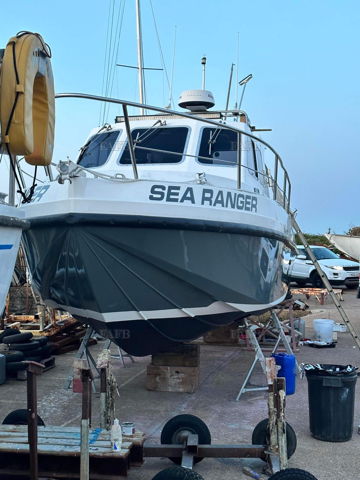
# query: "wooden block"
[[228, 334], [185, 356], [172, 379]]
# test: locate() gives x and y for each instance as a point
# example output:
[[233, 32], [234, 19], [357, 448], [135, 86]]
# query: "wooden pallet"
[[59, 452]]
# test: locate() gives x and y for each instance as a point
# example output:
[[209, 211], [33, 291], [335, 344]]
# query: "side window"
[[251, 157], [157, 145], [97, 150], [218, 147]]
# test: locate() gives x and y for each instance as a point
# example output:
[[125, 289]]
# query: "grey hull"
[[103, 267]]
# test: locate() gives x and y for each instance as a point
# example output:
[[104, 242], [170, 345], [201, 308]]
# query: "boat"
[[348, 244], [12, 224], [168, 224]]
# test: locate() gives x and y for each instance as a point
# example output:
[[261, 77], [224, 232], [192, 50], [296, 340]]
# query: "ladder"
[[325, 281]]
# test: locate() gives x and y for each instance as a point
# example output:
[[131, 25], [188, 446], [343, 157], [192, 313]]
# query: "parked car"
[[339, 271]]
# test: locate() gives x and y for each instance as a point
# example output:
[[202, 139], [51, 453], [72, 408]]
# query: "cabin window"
[[218, 147], [157, 145], [251, 157], [98, 148]]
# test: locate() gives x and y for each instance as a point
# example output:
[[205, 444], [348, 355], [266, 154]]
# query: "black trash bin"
[[331, 390]]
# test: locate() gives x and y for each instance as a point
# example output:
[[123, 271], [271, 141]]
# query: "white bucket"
[[323, 329]]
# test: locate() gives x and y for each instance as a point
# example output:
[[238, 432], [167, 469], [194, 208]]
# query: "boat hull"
[[11, 226], [149, 284]]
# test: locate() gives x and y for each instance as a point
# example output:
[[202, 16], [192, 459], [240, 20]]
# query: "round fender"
[[27, 99]]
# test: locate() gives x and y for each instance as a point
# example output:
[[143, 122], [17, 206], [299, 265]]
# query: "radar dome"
[[196, 100]]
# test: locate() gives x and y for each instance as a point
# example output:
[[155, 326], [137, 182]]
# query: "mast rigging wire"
[[161, 53]]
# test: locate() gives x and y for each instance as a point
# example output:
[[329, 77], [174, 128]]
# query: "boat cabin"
[[169, 147]]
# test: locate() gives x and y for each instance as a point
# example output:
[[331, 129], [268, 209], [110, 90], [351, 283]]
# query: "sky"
[[303, 55]]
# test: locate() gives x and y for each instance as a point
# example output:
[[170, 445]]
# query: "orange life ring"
[[27, 99]]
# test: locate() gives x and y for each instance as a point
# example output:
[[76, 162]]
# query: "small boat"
[[11, 225], [157, 237], [348, 244], [169, 224]]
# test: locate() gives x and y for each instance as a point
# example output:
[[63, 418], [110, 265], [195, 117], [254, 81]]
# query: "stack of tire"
[[23, 346]]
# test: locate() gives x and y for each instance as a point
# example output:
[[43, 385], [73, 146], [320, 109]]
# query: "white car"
[[300, 269]]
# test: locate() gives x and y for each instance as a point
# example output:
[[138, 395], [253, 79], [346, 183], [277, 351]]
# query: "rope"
[[161, 52]]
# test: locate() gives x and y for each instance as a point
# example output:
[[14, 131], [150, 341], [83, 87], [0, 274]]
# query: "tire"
[[42, 340], [18, 338], [316, 280], [13, 356], [260, 436], [292, 474], [8, 332], [177, 473], [35, 359], [46, 351], [14, 367], [175, 426], [36, 352], [19, 417], [24, 347]]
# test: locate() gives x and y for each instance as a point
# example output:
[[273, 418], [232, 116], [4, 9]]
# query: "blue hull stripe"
[[5, 247]]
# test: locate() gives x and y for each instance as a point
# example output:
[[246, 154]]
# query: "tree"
[[354, 231]]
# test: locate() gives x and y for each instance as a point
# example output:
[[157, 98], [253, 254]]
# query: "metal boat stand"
[[259, 355], [84, 353], [121, 354]]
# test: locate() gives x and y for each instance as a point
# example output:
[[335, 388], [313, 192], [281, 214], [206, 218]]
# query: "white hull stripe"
[[132, 315]]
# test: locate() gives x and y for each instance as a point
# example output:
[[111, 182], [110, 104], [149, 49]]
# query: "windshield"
[[157, 145], [97, 150], [320, 253], [218, 147]]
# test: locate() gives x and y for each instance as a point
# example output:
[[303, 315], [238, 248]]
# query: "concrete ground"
[[222, 372]]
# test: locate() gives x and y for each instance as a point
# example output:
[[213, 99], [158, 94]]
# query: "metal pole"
[[140, 56], [33, 370], [103, 389], [85, 422], [229, 88], [203, 63], [284, 191], [276, 176], [238, 161], [11, 199], [130, 142]]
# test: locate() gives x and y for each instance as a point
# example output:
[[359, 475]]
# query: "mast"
[[140, 56]]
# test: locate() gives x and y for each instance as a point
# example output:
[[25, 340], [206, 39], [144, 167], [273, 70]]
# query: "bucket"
[[288, 370], [323, 329], [128, 428]]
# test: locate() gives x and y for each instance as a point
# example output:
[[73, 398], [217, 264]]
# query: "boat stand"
[[84, 353], [276, 325], [121, 354], [188, 447]]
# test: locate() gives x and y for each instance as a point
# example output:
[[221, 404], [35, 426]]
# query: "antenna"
[[172, 72], [243, 83], [203, 63], [140, 56], [237, 72], [229, 88]]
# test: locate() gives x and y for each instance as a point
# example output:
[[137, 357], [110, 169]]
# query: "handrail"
[[125, 103]]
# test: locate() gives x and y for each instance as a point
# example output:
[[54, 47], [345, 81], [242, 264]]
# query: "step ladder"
[[325, 281], [259, 355]]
